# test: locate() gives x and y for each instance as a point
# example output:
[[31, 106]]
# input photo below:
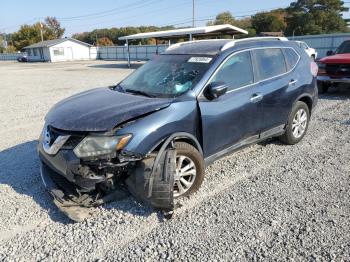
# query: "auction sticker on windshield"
[[199, 59]]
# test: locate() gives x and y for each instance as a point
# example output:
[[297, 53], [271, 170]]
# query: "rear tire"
[[188, 156], [297, 125]]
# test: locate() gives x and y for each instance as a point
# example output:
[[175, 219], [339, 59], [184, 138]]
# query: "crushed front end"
[[83, 170]]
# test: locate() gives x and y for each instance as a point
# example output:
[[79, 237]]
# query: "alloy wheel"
[[185, 175], [299, 123]]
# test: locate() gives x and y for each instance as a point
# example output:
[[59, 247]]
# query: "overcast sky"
[[82, 15]]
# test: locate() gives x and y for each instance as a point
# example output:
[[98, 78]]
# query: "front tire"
[[298, 124], [190, 170]]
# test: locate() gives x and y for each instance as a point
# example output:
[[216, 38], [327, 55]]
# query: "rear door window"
[[270, 62], [237, 71], [291, 56]]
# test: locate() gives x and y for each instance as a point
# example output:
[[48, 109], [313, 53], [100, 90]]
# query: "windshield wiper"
[[119, 88], [138, 92]]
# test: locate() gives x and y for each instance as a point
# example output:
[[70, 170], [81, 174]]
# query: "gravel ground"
[[268, 201]]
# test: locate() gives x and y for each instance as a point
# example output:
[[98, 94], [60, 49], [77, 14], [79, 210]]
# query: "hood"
[[336, 59], [101, 109]]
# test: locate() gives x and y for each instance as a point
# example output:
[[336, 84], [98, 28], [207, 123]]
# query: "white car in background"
[[310, 51]]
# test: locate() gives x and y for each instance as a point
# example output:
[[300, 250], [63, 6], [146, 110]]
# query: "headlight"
[[100, 145]]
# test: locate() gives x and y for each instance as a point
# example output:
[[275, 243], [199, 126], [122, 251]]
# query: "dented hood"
[[101, 109]]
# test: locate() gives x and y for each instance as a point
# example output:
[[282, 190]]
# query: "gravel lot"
[[268, 201]]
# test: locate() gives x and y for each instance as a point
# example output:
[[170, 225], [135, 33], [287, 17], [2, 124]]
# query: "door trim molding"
[[275, 131]]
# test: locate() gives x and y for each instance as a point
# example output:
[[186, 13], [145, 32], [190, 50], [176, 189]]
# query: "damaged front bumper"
[[76, 205], [78, 187]]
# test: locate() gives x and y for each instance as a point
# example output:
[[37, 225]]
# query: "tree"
[[223, 18], [104, 41], [53, 28], [114, 33], [26, 35], [30, 34], [227, 18], [269, 21], [316, 17]]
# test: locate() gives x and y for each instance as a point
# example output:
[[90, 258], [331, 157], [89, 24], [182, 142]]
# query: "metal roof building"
[[204, 31], [190, 33]]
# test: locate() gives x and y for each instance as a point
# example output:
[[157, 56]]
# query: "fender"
[[301, 98]]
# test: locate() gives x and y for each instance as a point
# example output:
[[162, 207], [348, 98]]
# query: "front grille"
[[72, 142], [338, 70], [74, 139]]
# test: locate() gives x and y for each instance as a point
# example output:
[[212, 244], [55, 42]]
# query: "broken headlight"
[[92, 146]]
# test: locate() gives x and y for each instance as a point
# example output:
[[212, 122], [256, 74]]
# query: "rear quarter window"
[[292, 58], [270, 62]]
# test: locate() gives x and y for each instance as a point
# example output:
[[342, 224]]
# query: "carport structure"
[[190, 33]]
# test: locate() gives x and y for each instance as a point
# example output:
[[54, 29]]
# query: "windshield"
[[166, 75], [344, 48]]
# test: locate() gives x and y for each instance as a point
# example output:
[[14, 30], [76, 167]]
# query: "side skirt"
[[276, 131]]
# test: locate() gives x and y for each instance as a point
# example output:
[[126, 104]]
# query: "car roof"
[[215, 46], [208, 47]]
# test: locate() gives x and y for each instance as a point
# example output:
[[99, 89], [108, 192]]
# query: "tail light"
[[314, 68]]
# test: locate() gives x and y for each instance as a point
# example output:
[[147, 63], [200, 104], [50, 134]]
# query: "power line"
[[102, 12], [212, 17], [132, 17], [97, 15], [111, 12]]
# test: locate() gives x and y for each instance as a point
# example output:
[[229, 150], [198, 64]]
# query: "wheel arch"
[[181, 137], [307, 100]]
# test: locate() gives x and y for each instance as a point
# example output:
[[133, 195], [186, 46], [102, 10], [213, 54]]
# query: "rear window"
[[270, 62], [291, 58]]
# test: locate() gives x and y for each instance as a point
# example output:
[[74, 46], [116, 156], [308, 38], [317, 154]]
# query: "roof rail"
[[233, 42], [174, 46]]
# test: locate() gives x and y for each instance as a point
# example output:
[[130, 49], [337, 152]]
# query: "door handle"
[[256, 98], [292, 82]]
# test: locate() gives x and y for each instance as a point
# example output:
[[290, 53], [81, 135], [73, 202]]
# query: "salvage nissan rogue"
[[154, 133]]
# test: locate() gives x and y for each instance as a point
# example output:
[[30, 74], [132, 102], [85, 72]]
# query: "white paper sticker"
[[199, 59]]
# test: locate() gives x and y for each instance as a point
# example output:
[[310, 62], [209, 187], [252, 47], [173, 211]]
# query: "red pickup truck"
[[334, 68]]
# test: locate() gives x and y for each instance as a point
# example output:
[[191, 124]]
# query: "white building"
[[63, 49]]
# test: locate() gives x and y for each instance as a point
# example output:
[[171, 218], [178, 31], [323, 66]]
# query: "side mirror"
[[215, 90], [330, 52]]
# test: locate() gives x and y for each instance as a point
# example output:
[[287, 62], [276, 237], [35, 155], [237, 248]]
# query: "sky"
[[83, 15]]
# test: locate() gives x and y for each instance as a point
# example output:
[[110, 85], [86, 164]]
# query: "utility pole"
[[193, 13], [41, 31], [4, 44]]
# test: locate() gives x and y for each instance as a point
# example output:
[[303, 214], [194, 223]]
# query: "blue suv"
[[154, 133]]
